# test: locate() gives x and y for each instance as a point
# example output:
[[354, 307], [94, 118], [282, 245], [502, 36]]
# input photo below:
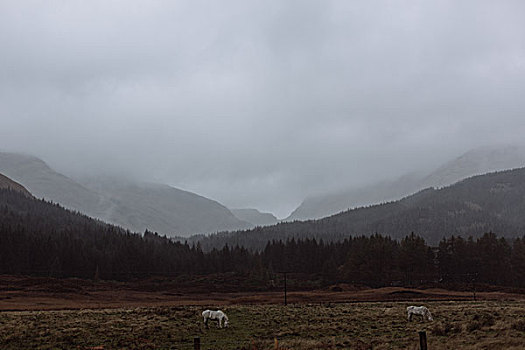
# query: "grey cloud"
[[260, 103]]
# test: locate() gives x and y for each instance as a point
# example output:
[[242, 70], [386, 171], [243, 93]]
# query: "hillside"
[[44, 182], [475, 162], [323, 205], [492, 202], [43, 239], [255, 217], [8, 184], [134, 206], [163, 209]]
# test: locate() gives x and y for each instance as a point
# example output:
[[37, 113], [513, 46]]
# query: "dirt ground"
[[30, 293], [71, 314]]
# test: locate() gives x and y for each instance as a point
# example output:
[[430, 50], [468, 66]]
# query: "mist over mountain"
[[316, 207], [162, 208], [255, 217], [134, 206], [474, 162], [493, 202], [138, 206], [44, 182]]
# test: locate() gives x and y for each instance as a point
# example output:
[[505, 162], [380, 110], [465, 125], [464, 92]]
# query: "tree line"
[[43, 239]]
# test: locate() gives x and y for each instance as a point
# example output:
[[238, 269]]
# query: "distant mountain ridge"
[[255, 217], [474, 162], [316, 207], [478, 161], [134, 206], [474, 206]]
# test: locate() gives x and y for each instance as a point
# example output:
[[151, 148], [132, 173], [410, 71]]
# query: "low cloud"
[[259, 104]]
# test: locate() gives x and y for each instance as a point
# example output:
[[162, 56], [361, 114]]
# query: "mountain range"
[[493, 202], [139, 206]]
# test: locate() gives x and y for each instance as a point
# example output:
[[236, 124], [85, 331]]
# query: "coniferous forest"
[[39, 238]]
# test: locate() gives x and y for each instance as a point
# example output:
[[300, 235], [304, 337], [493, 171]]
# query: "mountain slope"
[[475, 162], [8, 184], [492, 202], [44, 182], [255, 217], [316, 207], [163, 208], [134, 206], [44, 239]]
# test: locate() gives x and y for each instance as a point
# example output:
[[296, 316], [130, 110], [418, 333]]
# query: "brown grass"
[[380, 325], [59, 314]]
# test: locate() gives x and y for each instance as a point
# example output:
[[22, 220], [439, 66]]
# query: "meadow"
[[366, 325]]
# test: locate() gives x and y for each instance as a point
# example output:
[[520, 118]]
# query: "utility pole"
[[285, 301], [474, 285], [285, 286]]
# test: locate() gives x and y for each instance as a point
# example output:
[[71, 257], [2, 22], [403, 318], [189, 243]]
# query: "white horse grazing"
[[218, 315], [419, 310]]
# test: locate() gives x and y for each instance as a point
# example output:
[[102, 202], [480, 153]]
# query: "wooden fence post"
[[423, 340], [197, 343]]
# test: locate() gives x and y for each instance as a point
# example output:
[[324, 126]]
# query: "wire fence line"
[[198, 344]]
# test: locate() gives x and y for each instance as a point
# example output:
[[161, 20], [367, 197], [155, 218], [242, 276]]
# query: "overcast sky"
[[259, 103]]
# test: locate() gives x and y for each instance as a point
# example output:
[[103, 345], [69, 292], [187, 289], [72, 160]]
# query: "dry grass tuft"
[[519, 325], [442, 329], [479, 321]]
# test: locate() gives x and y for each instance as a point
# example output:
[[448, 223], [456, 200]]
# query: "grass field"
[[380, 325]]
